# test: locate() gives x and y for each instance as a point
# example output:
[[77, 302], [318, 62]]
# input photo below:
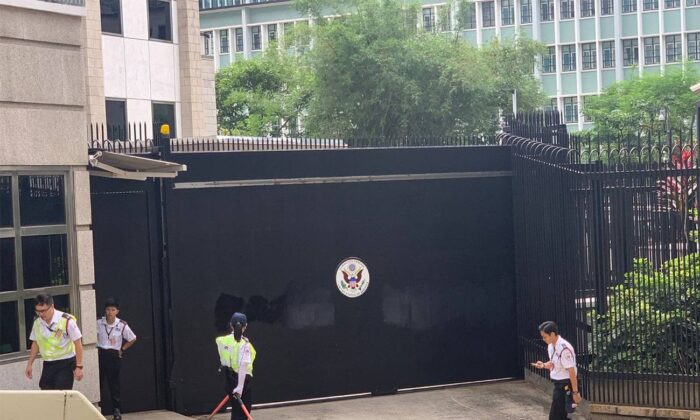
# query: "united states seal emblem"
[[352, 277]]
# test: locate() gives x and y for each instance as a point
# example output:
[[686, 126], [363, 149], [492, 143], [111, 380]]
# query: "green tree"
[[377, 74], [652, 322], [635, 106], [264, 95]]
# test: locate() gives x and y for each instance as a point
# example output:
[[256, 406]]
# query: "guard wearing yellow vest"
[[238, 354], [56, 336]]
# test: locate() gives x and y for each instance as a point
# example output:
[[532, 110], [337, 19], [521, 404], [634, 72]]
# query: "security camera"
[[695, 88]]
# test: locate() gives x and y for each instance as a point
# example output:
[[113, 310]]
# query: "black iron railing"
[[606, 245]]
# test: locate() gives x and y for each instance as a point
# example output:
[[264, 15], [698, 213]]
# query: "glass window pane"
[[116, 120], [45, 261], [8, 280], [42, 200], [110, 13], [5, 201], [159, 26], [60, 302], [9, 328]]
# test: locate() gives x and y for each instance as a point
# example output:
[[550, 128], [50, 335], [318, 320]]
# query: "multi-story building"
[[591, 43], [45, 217], [145, 66], [63, 65]]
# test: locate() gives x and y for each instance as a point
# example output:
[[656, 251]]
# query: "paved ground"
[[503, 401]]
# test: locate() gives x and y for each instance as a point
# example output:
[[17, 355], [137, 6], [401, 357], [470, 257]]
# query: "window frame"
[[252, 38], [634, 47], [649, 5], [510, 15], [469, 17], [672, 4], [587, 8], [696, 41], [238, 34], [607, 7], [589, 57], [677, 48], [431, 19], [549, 61], [629, 6], [567, 9], [492, 14], [525, 11], [226, 31], [655, 48], [172, 32], [603, 47], [571, 53], [121, 22], [574, 104], [17, 232], [547, 13]]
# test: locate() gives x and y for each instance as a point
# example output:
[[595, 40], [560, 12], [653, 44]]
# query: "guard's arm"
[[242, 372]]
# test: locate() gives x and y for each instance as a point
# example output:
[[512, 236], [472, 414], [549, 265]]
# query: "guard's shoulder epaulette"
[[68, 316]]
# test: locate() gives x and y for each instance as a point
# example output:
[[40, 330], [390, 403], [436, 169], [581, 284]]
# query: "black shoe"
[[117, 414]]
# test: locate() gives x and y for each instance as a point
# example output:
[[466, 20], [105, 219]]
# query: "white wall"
[[140, 70]]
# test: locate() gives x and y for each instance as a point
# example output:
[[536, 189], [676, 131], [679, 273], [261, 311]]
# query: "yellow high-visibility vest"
[[50, 347]]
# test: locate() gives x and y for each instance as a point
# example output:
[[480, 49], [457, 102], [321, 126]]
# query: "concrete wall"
[[43, 124], [208, 95], [42, 92]]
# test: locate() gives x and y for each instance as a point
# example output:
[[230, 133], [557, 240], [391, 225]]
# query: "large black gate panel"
[[439, 308], [123, 231]]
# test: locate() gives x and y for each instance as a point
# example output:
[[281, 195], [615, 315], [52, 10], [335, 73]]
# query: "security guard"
[[56, 336], [239, 354], [562, 371], [114, 337]]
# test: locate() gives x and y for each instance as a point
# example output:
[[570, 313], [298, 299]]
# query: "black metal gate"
[[263, 232]]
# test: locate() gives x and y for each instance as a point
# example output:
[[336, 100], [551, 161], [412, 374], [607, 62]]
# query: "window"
[[553, 106], [588, 56], [488, 14], [587, 8], [672, 4], [468, 16], [547, 10], [208, 43], [585, 117], [607, 7], [652, 50], [568, 58], [570, 110], [674, 48], [115, 111], [507, 12], [445, 17], [223, 41], [39, 245], [566, 9], [692, 3], [159, 22], [549, 61], [608, 49], [111, 16], [693, 47], [630, 52], [272, 32], [629, 6], [525, 11], [650, 5], [164, 113], [239, 39], [256, 39], [428, 19]]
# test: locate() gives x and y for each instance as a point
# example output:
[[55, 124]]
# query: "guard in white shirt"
[[114, 337], [562, 371], [56, 336]]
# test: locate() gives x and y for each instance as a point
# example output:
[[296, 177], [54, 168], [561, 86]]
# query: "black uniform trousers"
[[57, 374], [559, 400], [110, 366], [231, 382]]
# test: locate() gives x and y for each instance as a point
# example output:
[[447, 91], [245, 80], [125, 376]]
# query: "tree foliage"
[[639, 105], [652, 322], [371, 71], [263, 95]]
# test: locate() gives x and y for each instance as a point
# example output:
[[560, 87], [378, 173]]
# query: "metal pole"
[[515, 101]]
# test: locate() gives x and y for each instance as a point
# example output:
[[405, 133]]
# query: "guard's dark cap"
[[239, 318]]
